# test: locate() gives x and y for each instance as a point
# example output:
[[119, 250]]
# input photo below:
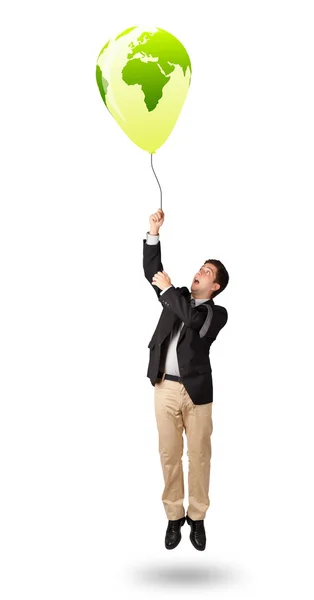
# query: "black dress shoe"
[[197, 535], [173, 533]]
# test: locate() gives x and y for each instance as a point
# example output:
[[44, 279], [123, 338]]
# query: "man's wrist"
[[151, 232]]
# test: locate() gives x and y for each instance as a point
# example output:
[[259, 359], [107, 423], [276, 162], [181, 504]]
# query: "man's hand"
[[155, 221], [161, 280]]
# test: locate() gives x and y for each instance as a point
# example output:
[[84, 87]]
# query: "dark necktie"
[[192, 301]]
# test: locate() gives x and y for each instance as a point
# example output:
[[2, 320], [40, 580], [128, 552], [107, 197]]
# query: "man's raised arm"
[[151, 249]]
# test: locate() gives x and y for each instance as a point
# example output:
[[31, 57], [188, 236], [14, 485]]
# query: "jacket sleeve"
[[197, 318], [152, 263], [219, 320]]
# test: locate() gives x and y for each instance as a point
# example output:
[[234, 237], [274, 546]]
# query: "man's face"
[[203, 281]]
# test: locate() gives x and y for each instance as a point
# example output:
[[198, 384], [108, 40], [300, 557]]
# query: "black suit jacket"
[[192, 350]]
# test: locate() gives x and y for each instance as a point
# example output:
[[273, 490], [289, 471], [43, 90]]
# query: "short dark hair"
[[222, 276]]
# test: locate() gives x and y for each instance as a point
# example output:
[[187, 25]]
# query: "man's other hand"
[[161, 280]]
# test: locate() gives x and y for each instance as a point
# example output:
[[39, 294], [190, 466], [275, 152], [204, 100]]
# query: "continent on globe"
[[102, 83], [149, 76], [151, 70]]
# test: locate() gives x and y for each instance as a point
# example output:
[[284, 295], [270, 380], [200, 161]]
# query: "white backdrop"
[[81, 510]]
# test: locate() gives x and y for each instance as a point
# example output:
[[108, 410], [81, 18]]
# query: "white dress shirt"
[[169, 362]]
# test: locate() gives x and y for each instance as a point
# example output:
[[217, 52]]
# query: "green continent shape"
[[153, 76], [165, 47], [102, 84], [149, 76]]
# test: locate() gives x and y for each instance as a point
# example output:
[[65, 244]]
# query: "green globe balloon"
[[143, 76]]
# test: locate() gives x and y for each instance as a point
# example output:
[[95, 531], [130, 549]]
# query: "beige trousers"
[[174, 412]]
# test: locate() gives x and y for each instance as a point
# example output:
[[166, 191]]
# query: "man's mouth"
[[196, 280]]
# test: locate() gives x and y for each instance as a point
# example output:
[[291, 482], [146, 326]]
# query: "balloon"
[[143, 76]]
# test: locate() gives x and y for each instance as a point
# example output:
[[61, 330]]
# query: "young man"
[[179, 369]]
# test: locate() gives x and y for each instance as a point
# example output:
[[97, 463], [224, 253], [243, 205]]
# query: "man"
[[180, 370]]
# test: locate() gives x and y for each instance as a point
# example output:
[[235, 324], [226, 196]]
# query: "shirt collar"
[[199, 300]]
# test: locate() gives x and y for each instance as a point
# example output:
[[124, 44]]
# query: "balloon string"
[[151, 162]]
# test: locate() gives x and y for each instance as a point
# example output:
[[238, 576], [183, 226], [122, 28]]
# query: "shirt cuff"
[[152, 239]]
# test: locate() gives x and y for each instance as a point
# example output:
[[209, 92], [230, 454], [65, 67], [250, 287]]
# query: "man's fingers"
[[159, 214]]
